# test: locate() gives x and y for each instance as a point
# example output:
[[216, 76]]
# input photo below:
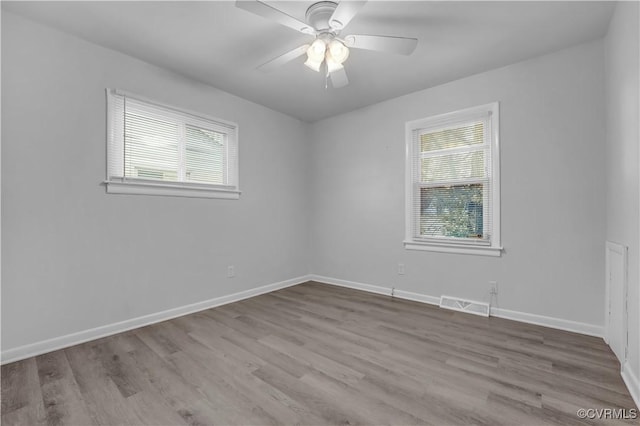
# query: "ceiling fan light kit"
[[333, 53], [325, 20]]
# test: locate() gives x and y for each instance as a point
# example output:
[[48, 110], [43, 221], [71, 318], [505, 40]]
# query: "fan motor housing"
[[318, 15]]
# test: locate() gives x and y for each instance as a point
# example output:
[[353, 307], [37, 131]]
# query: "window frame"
[[132, 185], [441, 122]]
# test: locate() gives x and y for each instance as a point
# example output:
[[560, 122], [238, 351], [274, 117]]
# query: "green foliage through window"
[[454, 211]]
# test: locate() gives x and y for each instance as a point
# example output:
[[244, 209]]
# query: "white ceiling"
[[219, 44]]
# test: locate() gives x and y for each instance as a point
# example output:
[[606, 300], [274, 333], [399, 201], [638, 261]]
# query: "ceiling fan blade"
[[262, 9], [344, 13], [283, 59], [339, 78], [400, 45]]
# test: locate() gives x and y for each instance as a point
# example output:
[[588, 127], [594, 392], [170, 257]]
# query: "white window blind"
[[161, 150], [453, 182]]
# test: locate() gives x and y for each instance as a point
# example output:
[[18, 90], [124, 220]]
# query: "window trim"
[[128, 185], [459, 246]]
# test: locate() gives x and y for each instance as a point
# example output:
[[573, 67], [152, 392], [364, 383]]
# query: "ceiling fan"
[[328, 52]]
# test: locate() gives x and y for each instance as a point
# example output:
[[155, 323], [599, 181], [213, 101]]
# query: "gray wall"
[[75, 257], [623, 136], [553, 216]]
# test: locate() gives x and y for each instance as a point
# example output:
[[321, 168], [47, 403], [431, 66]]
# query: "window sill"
[[170, 190], [455, 248]]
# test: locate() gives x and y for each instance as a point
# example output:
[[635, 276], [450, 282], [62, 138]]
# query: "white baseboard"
[[400, 294], [632, 382], [44, 346], [557, 323], [417, 297], [351, 284], [551, 322]]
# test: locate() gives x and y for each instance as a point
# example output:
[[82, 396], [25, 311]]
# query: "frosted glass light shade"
[[314, 65], [338, 51], [316, 51]]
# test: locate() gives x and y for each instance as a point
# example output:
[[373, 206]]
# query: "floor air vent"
[[463, 305]]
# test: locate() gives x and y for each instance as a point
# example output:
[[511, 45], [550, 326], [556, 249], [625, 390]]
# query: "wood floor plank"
[[24, 416], [331, 411], [61, 396], [64, 404], [320, 354], [167, 383], [313, 360], [365, 406], [21, 394], [270, 356], [146, 405], [228, 403], [104, 401], [154, 337], [52, 366]]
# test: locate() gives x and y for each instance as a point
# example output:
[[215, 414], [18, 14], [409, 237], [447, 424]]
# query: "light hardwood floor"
[[318, 354]]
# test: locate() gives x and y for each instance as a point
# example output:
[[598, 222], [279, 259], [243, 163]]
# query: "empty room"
[[316, 212]]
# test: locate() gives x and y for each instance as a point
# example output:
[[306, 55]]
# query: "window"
[[453, 186], [159, 150]]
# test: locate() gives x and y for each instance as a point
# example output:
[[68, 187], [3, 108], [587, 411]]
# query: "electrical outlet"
[[231, 271], [493, 287], [400, 268]]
